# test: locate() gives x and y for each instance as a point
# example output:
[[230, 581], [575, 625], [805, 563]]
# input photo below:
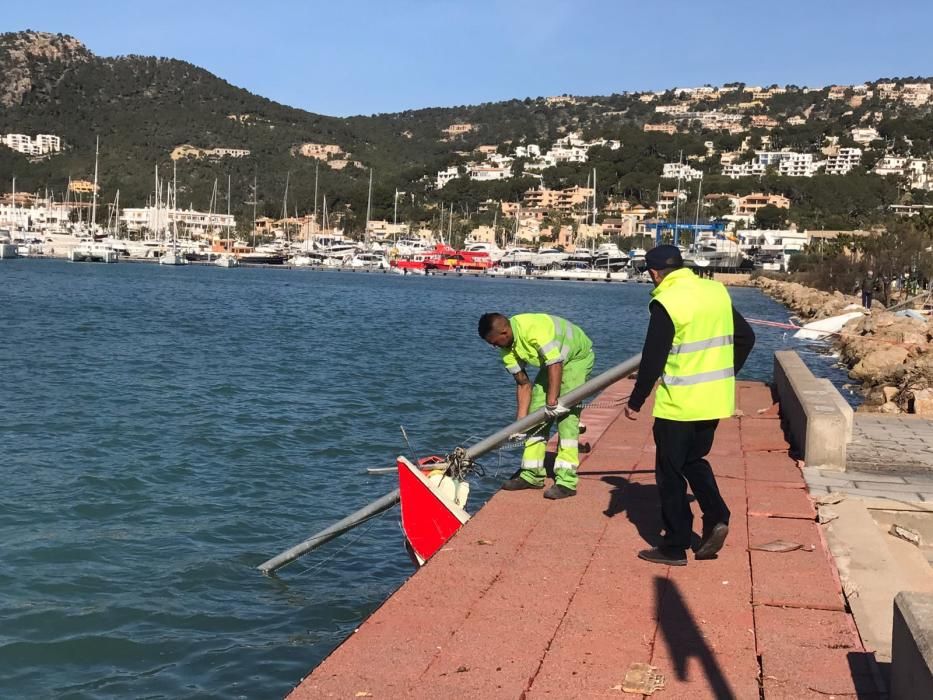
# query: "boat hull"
[[431, 509]]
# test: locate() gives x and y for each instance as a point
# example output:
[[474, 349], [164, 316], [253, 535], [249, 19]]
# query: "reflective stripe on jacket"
[[698, 382], [541, 339]]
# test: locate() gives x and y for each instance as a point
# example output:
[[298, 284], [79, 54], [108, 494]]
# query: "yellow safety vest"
[[541, 339], [698, 382]]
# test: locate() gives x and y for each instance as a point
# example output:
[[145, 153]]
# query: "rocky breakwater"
[[890, 354]]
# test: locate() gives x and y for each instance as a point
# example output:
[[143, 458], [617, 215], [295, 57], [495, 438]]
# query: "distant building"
[[751, 203], [82, 187], [843, 161], [798, 165], [864, 135], [197, 224], [42, 144], [660, 128], [681, 171], [457, 130], [445, 176], [487, 173], [737, 170], [320, 151]]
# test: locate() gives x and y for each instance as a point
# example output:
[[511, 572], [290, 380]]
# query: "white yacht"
[[173, 257], [411, 246], [226, 260], [90, 251], [548, 257], [507, 271], [517, 256], [369, 261], [494, 252], [8, 249]]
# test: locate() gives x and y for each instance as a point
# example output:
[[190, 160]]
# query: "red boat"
[[432, 507]]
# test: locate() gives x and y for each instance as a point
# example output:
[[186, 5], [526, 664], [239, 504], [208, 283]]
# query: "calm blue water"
[[165, 430]]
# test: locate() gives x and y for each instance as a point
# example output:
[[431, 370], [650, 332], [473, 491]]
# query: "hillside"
[[143, 108]]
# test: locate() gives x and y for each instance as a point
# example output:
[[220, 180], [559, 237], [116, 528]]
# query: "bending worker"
[[695, 343], [565, 356]]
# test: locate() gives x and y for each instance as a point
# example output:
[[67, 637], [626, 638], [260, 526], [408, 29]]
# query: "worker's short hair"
[[487, 321]]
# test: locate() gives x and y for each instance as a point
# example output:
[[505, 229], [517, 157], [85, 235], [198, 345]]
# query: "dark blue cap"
[[663, 257]]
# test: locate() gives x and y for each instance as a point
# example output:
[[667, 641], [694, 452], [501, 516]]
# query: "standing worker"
[[868, 285], [565, 356], [696, 343]]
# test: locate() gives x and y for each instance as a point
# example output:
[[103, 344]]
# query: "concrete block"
[[878, 493], [847, 412], [912, 646], [878, 478], [882, 486], [813, 413]]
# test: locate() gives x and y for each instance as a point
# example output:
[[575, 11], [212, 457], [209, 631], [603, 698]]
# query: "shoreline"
[[888, 353]]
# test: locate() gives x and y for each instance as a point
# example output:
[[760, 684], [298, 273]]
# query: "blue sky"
[[344, 57]]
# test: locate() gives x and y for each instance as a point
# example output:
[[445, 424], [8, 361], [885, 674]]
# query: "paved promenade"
[[543, 599], [902, 443]]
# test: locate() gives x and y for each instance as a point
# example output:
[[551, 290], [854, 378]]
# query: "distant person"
[[565, 357], [868, 285], [695, 344]]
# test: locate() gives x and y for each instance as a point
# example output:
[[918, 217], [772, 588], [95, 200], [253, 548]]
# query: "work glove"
[[518, 437], [556, 411]]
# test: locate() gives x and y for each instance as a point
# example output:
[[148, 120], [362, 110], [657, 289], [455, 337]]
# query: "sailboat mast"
[[369, 204], [254, 208], [285, 204], [314, 218], [94, 200]]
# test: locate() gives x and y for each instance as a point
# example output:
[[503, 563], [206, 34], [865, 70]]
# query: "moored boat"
[[432, 507]]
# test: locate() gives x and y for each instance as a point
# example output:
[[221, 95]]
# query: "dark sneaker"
[[712, 542], [664, 555], [557, 491], [519, 484]]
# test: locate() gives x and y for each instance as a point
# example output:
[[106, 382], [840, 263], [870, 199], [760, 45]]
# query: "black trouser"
[[680, 459], [866, 299]]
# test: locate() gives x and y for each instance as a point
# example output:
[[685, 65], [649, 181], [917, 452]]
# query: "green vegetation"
[[142, 108]]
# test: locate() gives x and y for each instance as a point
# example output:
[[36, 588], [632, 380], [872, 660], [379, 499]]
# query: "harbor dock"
[[546, 599]]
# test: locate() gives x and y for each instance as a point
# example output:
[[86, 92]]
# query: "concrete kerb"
[[912, 646], [817, 418]]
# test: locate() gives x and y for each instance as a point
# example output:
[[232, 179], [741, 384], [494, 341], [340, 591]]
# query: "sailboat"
[[173, 256], [226, 259]]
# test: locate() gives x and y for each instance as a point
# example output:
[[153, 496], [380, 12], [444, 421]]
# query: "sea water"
[[164, 430]]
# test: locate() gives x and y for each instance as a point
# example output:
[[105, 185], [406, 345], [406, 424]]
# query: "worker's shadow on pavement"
[[640, 503], [684, 640]]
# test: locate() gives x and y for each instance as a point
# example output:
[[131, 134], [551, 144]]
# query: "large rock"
[[881, 364], [923, 402]]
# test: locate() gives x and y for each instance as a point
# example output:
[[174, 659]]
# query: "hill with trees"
[[143, 108]]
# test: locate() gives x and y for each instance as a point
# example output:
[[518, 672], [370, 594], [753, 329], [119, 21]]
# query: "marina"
[[166, 416]]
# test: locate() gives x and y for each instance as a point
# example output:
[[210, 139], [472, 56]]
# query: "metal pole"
[[326, 535], [570, 399]]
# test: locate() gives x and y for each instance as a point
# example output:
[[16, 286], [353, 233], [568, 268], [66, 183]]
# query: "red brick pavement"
[[539, 599]]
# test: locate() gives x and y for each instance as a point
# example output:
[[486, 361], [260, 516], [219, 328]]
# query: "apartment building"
[[457, 130], [488, 173], [751, 203], [843, 161], [737, 170], [320, 151], [42, 144], [864, 135], [799, 165], [668, 201], [189, 221], [660, 128], [682, 171], [445, 176], [671, 109], [565, 200]]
